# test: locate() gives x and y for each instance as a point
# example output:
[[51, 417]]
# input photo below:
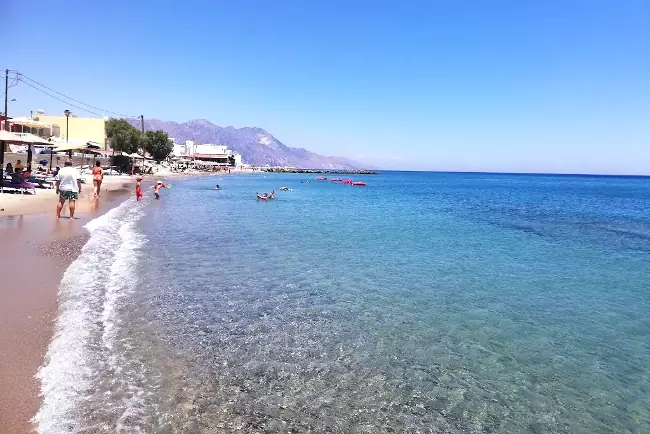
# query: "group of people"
[[19, 170], [69, 184], [138, 188]]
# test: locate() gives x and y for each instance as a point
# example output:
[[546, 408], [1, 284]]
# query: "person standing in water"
[[68, 187], [98, 177], [138, 189], [156, 189]]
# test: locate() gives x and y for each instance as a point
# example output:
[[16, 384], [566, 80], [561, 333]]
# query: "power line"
[[72, 99], [59, 99]]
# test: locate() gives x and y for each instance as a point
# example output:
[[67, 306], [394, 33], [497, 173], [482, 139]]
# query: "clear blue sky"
[[552, 86]]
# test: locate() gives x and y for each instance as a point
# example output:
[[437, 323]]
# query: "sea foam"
[[85, 330]]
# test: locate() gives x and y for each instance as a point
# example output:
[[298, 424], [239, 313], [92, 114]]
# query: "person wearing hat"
[[156, 189], [138, 189]]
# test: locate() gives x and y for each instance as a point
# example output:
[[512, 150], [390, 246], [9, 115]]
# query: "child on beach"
[[156, 189], [138, 189]]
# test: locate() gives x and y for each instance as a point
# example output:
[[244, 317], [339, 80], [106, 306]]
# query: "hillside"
[[256, 145]]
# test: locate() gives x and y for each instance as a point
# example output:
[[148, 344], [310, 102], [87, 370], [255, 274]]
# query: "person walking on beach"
[[138, 189], [98, 177], [68, 187]]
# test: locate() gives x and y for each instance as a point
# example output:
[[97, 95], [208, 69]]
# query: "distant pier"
[[317, 171]]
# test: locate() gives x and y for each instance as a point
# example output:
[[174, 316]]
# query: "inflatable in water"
[[336, 180], [359, 184], [347, 181], [321, 178]]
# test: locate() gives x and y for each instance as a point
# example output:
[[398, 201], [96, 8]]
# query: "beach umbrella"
[[29, 123], [34, 139], [10, 137], [71, 146]]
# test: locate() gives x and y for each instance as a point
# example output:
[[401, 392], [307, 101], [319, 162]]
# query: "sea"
[[421, 303]]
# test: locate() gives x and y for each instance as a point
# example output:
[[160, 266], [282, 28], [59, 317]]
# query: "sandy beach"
[[35, 251]]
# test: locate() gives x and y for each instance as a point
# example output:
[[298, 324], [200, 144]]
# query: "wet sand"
[[35, 251]]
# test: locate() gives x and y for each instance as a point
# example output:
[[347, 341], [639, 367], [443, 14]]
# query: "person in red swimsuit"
[[138, 189]]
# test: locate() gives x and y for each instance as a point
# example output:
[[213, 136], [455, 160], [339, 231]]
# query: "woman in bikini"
[[98, 176]]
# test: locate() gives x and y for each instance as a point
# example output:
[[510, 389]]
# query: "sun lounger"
[[22, 187], [42, 182]]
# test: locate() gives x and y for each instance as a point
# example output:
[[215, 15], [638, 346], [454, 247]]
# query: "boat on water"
[[346, 181], [321, 178], [336, 180], [359, 183]]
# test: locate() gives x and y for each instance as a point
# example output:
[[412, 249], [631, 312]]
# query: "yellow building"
[[86, 129]]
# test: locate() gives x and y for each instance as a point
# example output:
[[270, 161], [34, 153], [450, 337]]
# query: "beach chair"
[[19, 186], [42, 180]]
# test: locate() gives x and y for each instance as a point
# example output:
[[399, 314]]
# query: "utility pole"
[[6, 98], [2, 144]]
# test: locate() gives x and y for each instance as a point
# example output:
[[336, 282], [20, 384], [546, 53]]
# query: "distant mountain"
[[256, 146]]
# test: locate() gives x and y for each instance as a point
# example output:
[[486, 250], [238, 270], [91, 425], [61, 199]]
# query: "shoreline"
[[35, 251]]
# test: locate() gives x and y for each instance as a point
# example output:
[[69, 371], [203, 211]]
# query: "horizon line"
[[460, 172]]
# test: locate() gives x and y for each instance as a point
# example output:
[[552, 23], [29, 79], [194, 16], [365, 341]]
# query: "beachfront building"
[[28, 125], [76, 128], [180, 150], [217, 155]]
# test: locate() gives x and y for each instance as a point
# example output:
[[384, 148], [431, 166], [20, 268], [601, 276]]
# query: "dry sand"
[[44, 201]]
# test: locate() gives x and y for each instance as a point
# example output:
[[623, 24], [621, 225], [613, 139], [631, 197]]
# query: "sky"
[[510, 86]]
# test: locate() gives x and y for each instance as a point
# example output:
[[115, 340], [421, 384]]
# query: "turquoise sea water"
[[425, 302]]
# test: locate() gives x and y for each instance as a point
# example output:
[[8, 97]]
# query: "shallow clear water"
[[425, 302]]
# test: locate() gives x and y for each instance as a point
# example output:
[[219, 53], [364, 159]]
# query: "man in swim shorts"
[[156, 189], [68, 187]]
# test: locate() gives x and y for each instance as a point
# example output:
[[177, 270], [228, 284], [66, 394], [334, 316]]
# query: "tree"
[[123, 136], [157, 143]]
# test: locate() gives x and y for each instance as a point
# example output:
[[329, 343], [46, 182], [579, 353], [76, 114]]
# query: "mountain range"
[[256, 146]]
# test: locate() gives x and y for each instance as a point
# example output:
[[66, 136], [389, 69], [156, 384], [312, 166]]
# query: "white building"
[[238, 161], [182, 150], [209, 149], [208, 152]]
